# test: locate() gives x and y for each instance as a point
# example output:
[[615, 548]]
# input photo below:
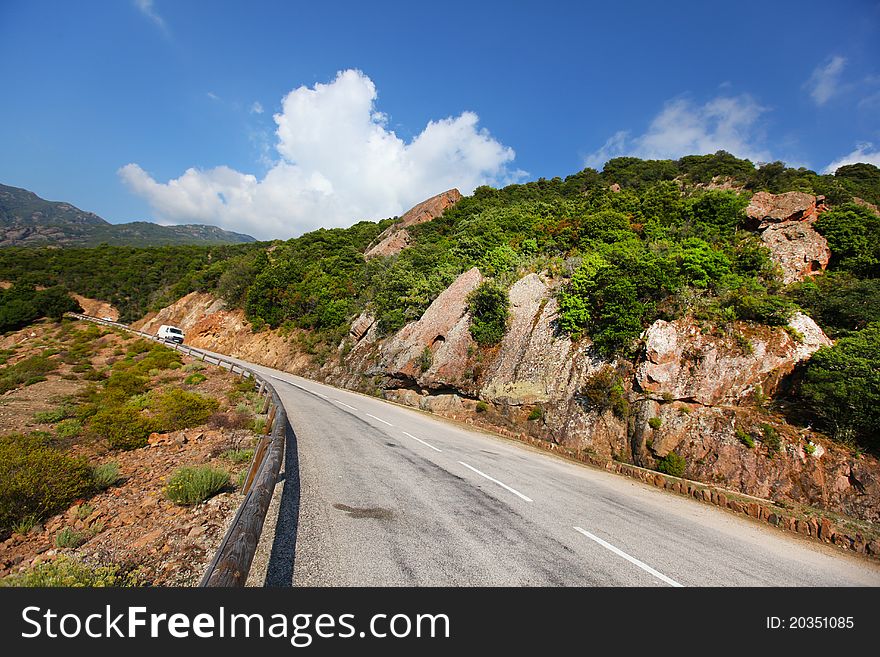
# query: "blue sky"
[[277, 117]]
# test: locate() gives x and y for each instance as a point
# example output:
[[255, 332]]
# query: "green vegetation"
[[745, 438], [770, 437], [536, 414], [672, 464], [191, 485], [604, 391], [842, 387], [69, 428], [38, 479], [655, 423], [238, 456], [134, 280], [71, 573], [26, 372], [106, 475], [23, 303], [194, 379], [70, 538], [482, 407], [488, 305], [179, 409]]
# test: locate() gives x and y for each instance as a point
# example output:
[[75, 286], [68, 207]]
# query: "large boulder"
[[444, 331], [785, 223], [395, 238], [682, 362]]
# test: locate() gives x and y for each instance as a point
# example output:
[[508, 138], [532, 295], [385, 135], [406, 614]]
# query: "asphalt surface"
[[380, 495]]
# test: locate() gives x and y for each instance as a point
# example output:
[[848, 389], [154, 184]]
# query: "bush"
[[482, 407], [69, 428], [425, 360], [191, 485], [123, 427], [70, 538], [536, 414], [51, 417], [238, 455], [38, 480], [604, 391], [672, 464], [179, 409], [488, 307], [26, 372], [194, 379], [842, 386], [745, 438], [65, 572], [655, 423], [770, 438], [105, 475]]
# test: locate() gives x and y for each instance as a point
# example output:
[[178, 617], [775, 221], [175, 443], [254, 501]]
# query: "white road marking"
[[344, 404], [632, 560], [380, 420], [422, 441], [503, 485], [295, 385]]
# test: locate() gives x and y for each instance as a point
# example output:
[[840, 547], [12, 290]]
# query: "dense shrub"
[[122, 426], [106, 475], [853, 234], [25, 372], [488, 305], [839, 301], [66, 572], [37, 479], [191, 485], [180, 409], [842, 387], [672, 464]]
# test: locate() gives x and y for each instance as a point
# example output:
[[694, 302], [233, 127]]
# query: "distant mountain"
[[28, 220]]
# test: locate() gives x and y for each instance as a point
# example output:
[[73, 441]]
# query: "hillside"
[[28, 220], [703, 317]]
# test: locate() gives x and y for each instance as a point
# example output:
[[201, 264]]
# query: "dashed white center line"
[[380, 420], [314, 392], [344, 404], [632, 560], [493, 480], [422, 441]]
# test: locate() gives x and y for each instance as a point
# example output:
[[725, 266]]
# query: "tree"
[[488, 307]]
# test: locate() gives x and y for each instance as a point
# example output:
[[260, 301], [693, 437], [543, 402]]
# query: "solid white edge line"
[[344, 404], [380, 419], [422, 441], [314, 392], [503, 485], [632, 560]]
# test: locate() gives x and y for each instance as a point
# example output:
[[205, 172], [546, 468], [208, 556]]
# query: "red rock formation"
[[396, 238], [785, 222]]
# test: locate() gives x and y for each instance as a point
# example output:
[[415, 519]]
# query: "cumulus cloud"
[[147, 9], [729, 123], [338, 163], [824, 83], [863, 153]]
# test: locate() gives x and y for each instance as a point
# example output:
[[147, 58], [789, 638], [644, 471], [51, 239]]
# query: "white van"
[[170, 334]]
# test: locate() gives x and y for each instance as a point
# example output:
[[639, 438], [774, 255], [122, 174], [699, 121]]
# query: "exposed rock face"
[[396, 238], [682, 362], [183, 313], [96, 308], [766, 208], [444, 331], [785, 222], [433, 364]]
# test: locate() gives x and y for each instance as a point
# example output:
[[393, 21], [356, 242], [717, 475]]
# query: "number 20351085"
[[810, 623]]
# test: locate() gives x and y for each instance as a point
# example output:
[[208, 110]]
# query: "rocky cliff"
[[396, 238], [696, 389]]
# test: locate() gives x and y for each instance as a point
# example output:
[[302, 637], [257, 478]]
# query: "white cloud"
[[338, 163], [729, 123], [212, 95], [862, 153], [824, 83], [147, 9], [256, 107]]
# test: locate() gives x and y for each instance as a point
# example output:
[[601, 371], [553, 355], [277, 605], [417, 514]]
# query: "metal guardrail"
[[232, 561]]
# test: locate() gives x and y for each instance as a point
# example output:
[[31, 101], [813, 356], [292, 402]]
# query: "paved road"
[[391, 496]]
